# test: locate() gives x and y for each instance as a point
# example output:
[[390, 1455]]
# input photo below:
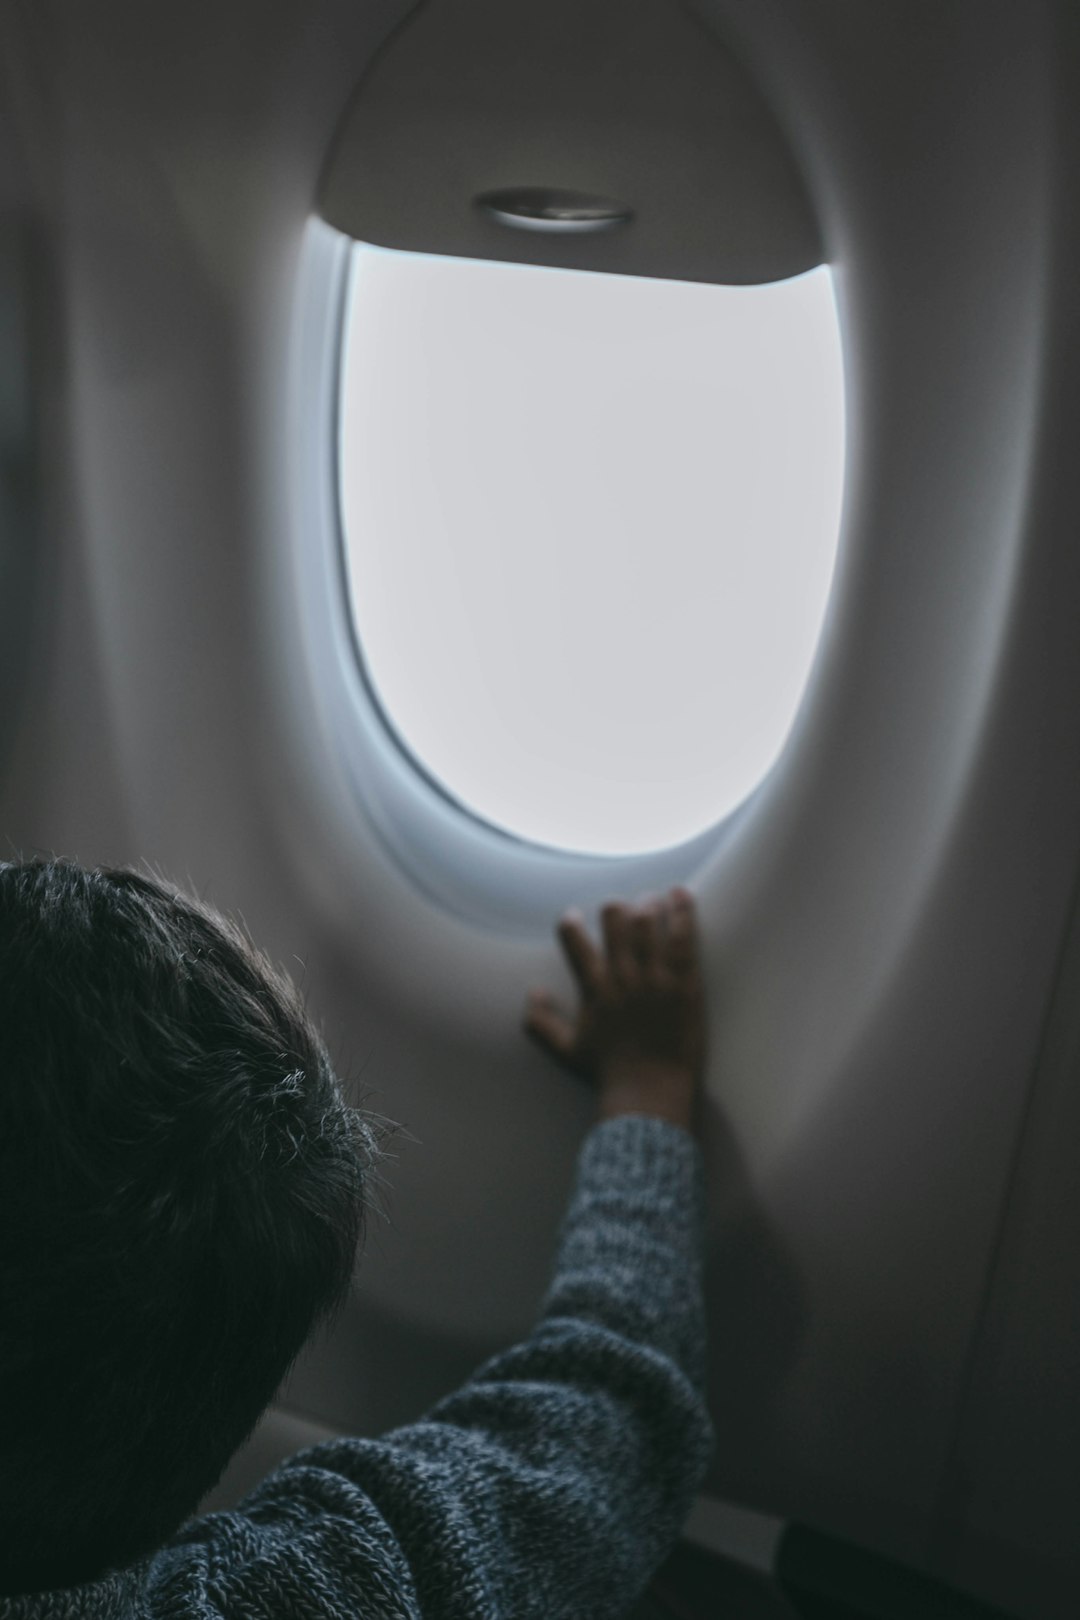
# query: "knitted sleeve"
[[556, 1480]]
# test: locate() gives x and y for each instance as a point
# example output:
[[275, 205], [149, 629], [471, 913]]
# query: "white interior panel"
[[883, 917]]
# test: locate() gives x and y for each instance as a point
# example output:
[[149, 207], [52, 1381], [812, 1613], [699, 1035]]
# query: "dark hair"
[[182, 1196]]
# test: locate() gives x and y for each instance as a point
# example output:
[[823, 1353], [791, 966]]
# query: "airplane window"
[[590, 526]]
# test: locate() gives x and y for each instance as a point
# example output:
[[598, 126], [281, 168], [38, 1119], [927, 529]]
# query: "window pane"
[[590, 527]]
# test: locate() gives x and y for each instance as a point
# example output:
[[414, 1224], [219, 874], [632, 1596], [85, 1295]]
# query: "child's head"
[[182, 1194]]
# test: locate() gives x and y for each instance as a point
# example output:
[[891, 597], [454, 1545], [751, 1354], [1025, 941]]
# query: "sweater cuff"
[[638, 1152]]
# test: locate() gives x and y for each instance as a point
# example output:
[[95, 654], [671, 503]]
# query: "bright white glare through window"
[[591, 525]]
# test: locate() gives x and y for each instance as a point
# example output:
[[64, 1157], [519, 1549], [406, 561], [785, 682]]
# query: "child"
[[182, 1194]]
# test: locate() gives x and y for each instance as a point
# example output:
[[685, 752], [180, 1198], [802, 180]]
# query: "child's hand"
[[640, 1032]]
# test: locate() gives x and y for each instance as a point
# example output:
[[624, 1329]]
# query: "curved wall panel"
[[882, 918], [855, 900]]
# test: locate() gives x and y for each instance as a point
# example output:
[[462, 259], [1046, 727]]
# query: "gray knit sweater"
[[552, 1484]]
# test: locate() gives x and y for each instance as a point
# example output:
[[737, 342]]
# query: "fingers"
[[547, 1025], [585, 961], [624, 940], [643, 934], [657, 939], [682, 932], [634, 938]]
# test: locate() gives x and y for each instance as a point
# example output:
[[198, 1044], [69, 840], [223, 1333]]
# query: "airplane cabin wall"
[[893, 1054]]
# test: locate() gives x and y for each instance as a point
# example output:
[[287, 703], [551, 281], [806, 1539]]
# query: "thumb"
[[548, 1026]]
